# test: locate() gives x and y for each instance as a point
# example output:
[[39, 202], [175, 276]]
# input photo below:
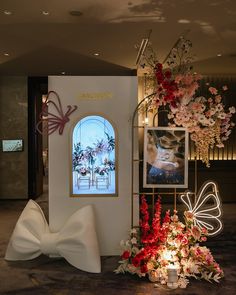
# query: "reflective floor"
[[55, 276]]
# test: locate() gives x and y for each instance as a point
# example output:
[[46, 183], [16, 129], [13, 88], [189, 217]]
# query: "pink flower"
[[183, 238], [188, 79], [189, 215], [178, 78], [213, 90], [196, 233], [204, 231], [184, 252], [174, 218], [225, 88], [218, 98], [210, 100], [196, 106]]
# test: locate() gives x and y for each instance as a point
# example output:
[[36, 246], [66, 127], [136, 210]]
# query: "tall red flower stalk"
[[166, 87], [144, 221], [157, 232]]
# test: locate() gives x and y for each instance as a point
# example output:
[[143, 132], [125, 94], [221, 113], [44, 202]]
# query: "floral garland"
[[150, 250], [205, 117]]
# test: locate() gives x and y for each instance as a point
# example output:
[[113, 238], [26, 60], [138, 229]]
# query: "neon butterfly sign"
[[206, 208], [54, 121]]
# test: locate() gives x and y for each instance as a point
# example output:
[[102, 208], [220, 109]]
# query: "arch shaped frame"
[[101, 175], [142, 112]]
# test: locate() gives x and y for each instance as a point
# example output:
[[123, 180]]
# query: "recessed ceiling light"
[[96, 54], [7, 12], [44, 12], [75, 13], [183, 21], [6, 54], [219, 54]]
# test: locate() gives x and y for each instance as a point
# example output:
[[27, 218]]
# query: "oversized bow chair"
[[76, 241]]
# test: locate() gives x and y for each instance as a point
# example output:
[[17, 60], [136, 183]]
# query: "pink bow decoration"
[[56, 119], [76, 241]]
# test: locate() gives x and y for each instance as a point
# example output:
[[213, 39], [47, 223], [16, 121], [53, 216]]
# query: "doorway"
[[37, 88]]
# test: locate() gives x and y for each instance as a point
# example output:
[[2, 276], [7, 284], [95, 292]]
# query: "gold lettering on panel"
[[95, 95]]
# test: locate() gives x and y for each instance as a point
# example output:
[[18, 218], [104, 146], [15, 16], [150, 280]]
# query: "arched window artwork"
[[94, 157]]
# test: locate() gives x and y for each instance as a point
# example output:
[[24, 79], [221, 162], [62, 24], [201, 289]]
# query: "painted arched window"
[[94, 157]]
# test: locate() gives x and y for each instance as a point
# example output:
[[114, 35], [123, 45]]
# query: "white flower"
[[203, 107], [153, 276], [133, 240], [228, 133], [183, 282], [170, 116], [133, 231], [190, 267], [216, 277], [202, 119], [212, 111], [224, 138], [131, 268], [232, 110], [219, 107], [200, 99], [211, 122], [127, 243], [222, 116], [220, 145], [122, 243]]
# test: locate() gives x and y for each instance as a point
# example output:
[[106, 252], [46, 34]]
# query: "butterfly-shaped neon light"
[[206, 207], [55, 120]]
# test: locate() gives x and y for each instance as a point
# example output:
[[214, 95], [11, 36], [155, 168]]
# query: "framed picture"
[[12, 145], [165, 157]]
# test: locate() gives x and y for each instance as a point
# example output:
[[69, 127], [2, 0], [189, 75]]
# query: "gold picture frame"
[[165, 162]]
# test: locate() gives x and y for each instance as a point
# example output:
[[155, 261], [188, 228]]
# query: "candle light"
[[172, 277]]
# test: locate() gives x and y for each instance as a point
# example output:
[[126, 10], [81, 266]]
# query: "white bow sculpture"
[[76, 241]]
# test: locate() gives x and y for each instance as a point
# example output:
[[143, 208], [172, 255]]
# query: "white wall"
[[113, 214]]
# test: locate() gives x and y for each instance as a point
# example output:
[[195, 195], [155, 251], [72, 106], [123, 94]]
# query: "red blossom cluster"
[[151, 236], [166, 86], [157, 232]]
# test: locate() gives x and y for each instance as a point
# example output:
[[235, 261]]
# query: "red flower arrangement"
[[152, 248], [167, 86]]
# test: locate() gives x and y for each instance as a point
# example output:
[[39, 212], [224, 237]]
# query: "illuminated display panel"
[[94, 157], [12, 145]]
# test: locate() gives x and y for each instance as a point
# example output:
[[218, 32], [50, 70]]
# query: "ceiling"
[[33, 43]]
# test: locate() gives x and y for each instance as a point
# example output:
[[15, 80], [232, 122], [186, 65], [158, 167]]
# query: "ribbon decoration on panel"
[[76, 241], [53, 121]]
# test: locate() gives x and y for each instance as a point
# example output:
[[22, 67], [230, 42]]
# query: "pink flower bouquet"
[[176, 88]]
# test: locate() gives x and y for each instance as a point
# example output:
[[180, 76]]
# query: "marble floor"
[[55, 276]]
